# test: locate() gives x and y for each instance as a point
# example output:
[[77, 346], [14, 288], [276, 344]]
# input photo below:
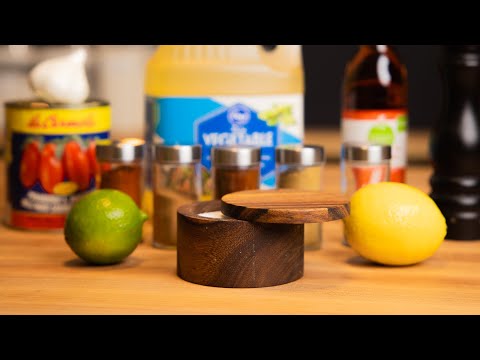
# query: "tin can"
[[50, 159]]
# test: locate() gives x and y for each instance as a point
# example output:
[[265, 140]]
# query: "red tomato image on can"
[[76, 164], [30, 164], [92, 158], [51, 170]]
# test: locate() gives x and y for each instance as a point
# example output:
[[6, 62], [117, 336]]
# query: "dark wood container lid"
[[285, 206]]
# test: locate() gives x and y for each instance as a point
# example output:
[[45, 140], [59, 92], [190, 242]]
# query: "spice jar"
[[234, 169], [302, 167], [121, 167], [176, 181], [362, 164]]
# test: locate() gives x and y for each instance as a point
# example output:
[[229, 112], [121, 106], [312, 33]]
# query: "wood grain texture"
[[232, 253], [40, 275], [285, 206]]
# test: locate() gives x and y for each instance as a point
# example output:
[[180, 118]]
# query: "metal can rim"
[[37, 104]]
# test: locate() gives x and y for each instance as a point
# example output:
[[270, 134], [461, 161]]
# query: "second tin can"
[[50, 159]]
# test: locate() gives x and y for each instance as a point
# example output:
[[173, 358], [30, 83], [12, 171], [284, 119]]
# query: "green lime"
[[104, 227]]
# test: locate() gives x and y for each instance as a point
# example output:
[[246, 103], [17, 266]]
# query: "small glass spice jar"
[[302, 167], [235, 168], [176, 181], [362, 164], [120, 163]]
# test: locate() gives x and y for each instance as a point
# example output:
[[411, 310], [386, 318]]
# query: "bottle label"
[[265, 121], [387, 127]]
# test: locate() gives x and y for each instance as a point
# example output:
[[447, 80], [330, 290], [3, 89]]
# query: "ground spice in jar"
[[228, 180], [176, 181], [235, 169], [125, 178], [303, 178], [121, 166], [301, 167]]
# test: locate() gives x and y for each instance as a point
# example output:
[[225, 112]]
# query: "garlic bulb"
[[62, 79]]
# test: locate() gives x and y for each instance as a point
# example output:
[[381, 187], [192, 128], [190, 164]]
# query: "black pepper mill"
[[455, 144]]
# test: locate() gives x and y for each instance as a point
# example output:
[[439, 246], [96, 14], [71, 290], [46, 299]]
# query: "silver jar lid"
[[126, 150], [179, 154], [236, 156], [307, 155], [366, 152]]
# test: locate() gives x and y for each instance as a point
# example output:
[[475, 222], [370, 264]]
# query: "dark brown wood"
[[232, 253], [285, 206]]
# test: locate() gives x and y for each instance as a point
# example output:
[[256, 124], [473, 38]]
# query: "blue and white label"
[[265, 121], [238, 125]]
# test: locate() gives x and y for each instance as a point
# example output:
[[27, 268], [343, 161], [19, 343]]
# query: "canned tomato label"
[[50, 159]]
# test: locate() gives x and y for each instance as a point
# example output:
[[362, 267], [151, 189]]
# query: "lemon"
[[394, 224], [104, 227]]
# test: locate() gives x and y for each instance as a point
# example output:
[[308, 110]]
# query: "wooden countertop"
[[40, 275]]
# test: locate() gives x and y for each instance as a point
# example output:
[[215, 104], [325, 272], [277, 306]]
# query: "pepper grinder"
[[455, 143]]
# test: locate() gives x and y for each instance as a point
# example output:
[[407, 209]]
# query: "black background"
[[324, 67]]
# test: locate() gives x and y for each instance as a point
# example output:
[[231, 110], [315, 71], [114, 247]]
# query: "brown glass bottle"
[[455, 143], [375, 103]]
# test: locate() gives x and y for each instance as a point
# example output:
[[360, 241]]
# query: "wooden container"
[[230, 253], [260, 245]]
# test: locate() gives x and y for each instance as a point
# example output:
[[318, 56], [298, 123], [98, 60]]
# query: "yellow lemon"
[[394, 224]]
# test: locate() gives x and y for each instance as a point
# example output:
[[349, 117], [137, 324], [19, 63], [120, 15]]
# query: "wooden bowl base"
[[232, 253]]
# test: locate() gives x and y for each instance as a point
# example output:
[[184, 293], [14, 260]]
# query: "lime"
[[394, 224], [104, 227]]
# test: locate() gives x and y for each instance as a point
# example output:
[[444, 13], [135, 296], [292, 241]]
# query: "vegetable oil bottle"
[[220, 95]]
